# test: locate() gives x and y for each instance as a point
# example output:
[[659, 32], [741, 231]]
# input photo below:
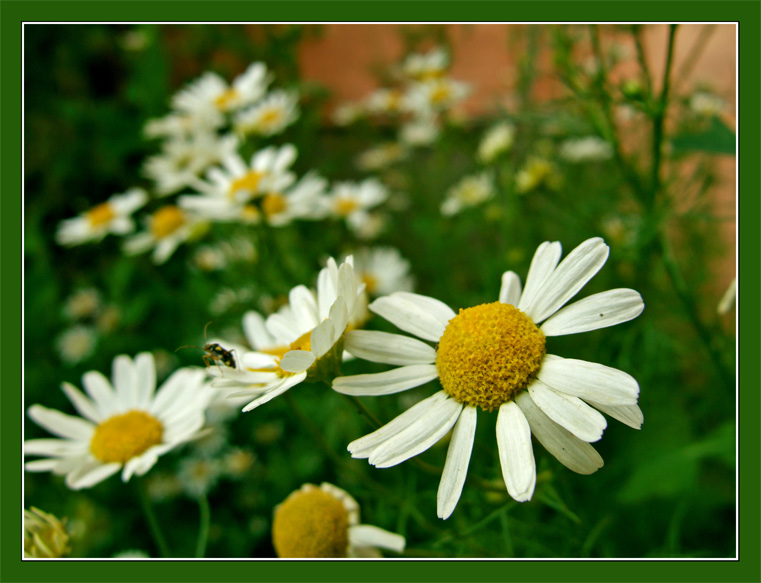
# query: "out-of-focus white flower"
[[210, 93], [178, 125], [84, 303], [535, 173], [371, 226], [167, 229], [132, 554], [435, 94], [586, 149], [353, 200], [347, 113], [497, 139], [383, 270], [124, 426], [269, 116], [470, 191], [324, 523], [706, 104], [422, 130], [727, 301], [185, 157], [381, 156], [76, 344], [425, 66], [198, 475], [385, 101], [112, 216], [236, 462]]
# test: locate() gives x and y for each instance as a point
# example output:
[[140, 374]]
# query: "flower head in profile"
[[353, 200], [124, 426], [269, 116], [323, 522], [45, 536], [497, 139], [426, 66], [586, 149], [493, 357], [112, 216], [167, 228], [303, 341], [383, 270], [536, 173], [470, 191]]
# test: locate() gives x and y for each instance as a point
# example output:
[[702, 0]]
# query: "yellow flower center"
[[440, 94], [249, 182], [122, 437], [100, 215], [345, 206], [311, 524], [303, 342], [273, 204], [166, 221], [371, 282], [271, 116], [250, 213], [488, 353], [226, 99]]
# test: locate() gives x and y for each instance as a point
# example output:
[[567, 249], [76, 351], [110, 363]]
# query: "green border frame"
[[13, 12]]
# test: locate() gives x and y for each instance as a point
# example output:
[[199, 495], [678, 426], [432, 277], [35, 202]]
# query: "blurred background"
[[662, 194]]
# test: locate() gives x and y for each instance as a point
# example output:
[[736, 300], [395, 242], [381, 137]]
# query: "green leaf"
[[717, 138]]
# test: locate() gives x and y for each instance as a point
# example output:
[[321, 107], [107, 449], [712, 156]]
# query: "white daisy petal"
[[569, 412], [596, 311], [419, 436], [145, 367], [43, 465], [55, 447], [364, 446], [456, 465], [366, 535], [589, 381], [409, 317], [516, 454], [322, 339], [388, 348], [60, 424], [283, 328], [99, 388], [576, 455], [275, 391], [303, 305], [256, 332], [90, 474], [81, 403], [543, 263], [256, 360], [510, 291], [630, 415], [579, 266], [297, 360], [339, 315], [436, 308], [124, 377], [386, 383]]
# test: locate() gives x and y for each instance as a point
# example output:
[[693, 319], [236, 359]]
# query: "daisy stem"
[[153, 524], [313, 429], [362, 410], [203, 526]]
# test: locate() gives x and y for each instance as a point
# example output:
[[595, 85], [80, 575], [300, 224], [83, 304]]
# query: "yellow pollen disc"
[[271, 116], [488, 353], [100, 215], [225, 99], [166, 221], [345, 206], [440, 94], [250, 213], [249, 182], [311, 524], [371, 282], [273, 204], [303, 342], [122, 437]]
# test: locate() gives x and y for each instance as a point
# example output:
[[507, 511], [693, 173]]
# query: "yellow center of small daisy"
[[100, 215], [488, 353], [271, 117], [303, 342], [166, 221], [440, 94], [370, 281], [273, 204], [311, 524], [122, 437], [225, 99], [249, 181], [345, 206]]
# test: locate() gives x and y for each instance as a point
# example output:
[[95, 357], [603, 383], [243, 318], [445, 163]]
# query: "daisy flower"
[[381, 156], [435, 94], [178, 125], [269, 116], [706, 104], [537, 172], [470, 191], [168, 227], [346, 114], [76, 343], [425, 66], [493, 357], [353, 200], [184, 158], [385, 101], [112, 216], [422, 130], [383, 270], [300, 342], [323, 522], [587, 149], [123, 427], [497, 139], [210, 93]]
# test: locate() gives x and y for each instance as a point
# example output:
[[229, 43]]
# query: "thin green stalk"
[[153, 524], [203, 526], [642, 58], [364, 411]]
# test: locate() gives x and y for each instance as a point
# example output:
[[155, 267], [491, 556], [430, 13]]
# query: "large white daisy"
[[298, 342], [123, 427], [493, 357]]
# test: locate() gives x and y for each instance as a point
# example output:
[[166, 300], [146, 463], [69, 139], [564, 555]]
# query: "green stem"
[[642, 58], [362, 410], [203, 526], [153, 524], [310, 426]]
